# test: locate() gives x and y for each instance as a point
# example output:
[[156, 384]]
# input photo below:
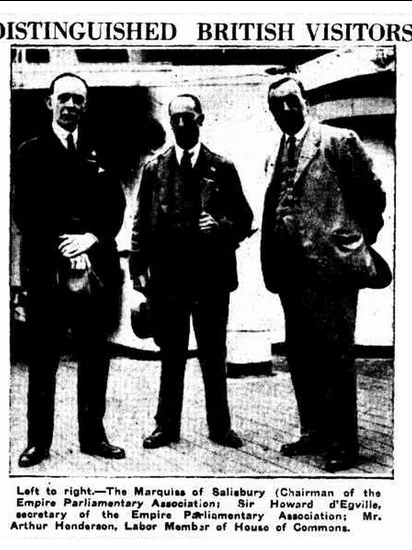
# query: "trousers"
[[209, 311], [49, 315], [320, 325]]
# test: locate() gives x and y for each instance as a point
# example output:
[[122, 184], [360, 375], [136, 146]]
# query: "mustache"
[[69, 111]]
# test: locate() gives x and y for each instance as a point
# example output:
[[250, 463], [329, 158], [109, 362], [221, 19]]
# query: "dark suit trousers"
[[320, 325], [209, 311], [49, 313]]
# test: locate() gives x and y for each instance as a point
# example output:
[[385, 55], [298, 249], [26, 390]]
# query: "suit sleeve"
[[362, 189], [110, 207], [236, 220], [32, 214], [30, 203], [22, 200], [139, 257]]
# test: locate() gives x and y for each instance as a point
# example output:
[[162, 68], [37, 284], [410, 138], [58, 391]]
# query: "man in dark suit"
[[323, 208], [68, 210], [191, 217]]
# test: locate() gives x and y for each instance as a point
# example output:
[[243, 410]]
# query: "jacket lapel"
[[309, 149], [83, 144], [207, 172], [83, 147], [272, 161], [167, 167], [54, 142]]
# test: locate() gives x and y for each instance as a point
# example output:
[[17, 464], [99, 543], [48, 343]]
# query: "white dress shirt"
[[62, 134], [194, 153], [79, 261], [298, 136]]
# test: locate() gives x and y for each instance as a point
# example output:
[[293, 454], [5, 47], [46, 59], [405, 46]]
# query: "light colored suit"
[[340, 204], [315, 254]]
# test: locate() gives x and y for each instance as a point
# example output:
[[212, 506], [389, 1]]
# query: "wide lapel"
[[54, 142], [86, 147], [207, 171], [272, 161], [166, 170], [83, 148], [83, 143], [86, 151], [309, 149]]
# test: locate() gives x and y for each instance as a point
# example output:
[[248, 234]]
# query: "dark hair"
[[64, 75], [284, 79], [196, 101]]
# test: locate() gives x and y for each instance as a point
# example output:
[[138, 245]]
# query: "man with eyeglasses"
[[191, 217], [68, 209]]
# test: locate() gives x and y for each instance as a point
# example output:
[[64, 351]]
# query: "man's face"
[[68, 102], [288, 107], [185, 121]]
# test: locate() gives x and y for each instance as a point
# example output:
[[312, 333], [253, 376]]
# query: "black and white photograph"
[[206, 291], [201, 261]]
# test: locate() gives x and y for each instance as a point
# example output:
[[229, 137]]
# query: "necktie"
[[186, 164], [70, 144], [190, 191], [291, 153]]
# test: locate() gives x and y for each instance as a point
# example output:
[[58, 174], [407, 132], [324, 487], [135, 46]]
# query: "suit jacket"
[[58, 192], [338, 213], [221, 196]]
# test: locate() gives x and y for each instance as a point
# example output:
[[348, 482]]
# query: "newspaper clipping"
[[205, 220]]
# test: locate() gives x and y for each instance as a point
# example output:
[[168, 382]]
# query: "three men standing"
[[191, 217], [323, 208], [68, 210]]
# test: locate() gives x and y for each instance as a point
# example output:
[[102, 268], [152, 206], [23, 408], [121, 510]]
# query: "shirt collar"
[[62, 134], [194, 153], [299, 135]]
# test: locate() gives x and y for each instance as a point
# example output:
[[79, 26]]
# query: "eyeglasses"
[[77, 99], [186, 118]]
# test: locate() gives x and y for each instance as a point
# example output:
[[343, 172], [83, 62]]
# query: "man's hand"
[[140, 283], [80, 263], [206, 223], [73, 245]]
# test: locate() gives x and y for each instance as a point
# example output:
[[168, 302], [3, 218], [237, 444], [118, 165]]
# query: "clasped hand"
[[207, 223], [73, 245]]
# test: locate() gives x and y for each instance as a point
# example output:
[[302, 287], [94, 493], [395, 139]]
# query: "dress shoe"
[[103, 449], [306, 445], [32, 456], [160, 438], [338, 461], [228, 439]]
